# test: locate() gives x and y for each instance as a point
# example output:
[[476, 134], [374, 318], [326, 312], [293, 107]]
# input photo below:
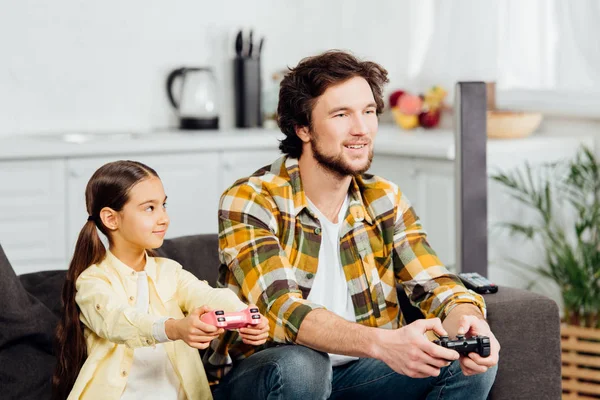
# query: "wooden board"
[[580, 362]]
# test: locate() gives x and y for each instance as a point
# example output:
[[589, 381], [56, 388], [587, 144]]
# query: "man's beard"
[[336, 164]]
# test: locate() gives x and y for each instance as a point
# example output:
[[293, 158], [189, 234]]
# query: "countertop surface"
[[390, 140]]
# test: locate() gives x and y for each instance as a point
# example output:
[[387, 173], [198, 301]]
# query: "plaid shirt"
[[269, 245]]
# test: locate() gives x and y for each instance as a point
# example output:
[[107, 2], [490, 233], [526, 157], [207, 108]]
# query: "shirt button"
[[124, 373], [317, 230], [97, 306], [132, 273], [310, 276], [131, 298], [148, 341]]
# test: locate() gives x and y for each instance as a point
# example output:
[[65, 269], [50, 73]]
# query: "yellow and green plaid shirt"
[[269, 246]]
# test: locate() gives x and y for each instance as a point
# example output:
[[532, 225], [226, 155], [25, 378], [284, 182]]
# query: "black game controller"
[[475, 344]]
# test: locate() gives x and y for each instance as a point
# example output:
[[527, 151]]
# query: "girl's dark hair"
[[108, 187], [302, 85]]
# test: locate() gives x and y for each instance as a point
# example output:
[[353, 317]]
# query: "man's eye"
[[370, 111], [340, 115]]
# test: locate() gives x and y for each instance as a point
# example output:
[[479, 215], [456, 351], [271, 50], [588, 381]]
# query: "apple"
[[430, 118], [394, 97]]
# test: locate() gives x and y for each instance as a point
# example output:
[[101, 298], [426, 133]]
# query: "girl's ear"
[[303, 133], [109, 218]]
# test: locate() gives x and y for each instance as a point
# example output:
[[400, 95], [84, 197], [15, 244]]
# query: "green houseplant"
[[566, 200]]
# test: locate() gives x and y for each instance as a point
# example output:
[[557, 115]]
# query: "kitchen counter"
[[391, 140]]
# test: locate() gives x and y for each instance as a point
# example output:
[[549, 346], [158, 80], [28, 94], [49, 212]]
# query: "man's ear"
[[303, 133], [110, 218]]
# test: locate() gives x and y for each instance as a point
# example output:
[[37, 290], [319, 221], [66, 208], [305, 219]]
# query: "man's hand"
[[192, 330], [256, 335], [470, 325], [408, 352]]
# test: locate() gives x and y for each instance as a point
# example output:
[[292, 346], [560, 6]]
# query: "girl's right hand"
[[192, 330]]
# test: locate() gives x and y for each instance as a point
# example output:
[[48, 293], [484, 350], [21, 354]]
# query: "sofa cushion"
[[26, 339], [198, 254]]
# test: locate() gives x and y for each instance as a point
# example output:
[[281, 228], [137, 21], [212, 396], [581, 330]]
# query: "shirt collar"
[[125, 270], [356, 205]]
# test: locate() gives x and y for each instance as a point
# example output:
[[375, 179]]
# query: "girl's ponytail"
[[71, 349]]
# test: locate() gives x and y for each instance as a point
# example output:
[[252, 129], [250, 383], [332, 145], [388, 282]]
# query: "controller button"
[[256, 317], [220, 312], [221, 319], [254, 310]]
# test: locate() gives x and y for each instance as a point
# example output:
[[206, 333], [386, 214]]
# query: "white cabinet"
[[241, 163], [429, 186], [32, 210], [191, 183], [42, 203], [436, 205]]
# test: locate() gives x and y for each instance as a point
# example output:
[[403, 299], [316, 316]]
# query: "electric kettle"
[[197, 105]]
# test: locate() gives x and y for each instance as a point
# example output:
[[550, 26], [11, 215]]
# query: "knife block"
[[247, 87]]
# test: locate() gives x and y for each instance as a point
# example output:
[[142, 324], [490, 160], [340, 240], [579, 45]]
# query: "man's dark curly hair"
[[303, 84]]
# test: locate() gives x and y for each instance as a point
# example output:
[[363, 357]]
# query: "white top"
[[330, 287], [152, 375]]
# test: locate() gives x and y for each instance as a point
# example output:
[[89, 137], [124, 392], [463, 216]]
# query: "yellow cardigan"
[[114, 327]]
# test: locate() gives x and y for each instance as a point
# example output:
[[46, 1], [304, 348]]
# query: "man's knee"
[[479, 385], [302, 373], [486, 380]]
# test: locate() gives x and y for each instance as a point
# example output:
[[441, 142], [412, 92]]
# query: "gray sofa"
[[526, 324]]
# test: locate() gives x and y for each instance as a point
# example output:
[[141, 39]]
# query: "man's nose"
[[359, 125]]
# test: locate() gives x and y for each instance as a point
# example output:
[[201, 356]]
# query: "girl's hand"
[[257, 334], [192, 330]]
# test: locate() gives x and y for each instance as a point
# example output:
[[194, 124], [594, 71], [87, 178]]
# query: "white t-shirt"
[[151, 376], [330, 288]]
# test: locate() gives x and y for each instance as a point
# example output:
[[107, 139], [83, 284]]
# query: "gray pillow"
[[26, 339]]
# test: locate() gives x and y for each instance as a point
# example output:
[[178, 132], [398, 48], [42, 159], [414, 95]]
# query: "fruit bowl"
[[504, 124]]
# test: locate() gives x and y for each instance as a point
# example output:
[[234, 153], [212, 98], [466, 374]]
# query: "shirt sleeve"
[[193, 293], [110, 318], [159, 330], [427, 282], [260, 267]]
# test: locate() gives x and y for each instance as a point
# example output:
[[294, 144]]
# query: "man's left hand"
[[473, 364]]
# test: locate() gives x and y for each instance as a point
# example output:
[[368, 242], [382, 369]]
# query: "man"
[[319, 246]]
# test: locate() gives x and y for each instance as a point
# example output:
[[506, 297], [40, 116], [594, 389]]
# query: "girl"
[[123, 333]]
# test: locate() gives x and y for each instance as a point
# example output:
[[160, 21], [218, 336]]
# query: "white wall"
[[79, 65]]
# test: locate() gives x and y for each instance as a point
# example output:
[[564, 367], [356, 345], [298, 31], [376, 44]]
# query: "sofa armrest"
[[527, 325]]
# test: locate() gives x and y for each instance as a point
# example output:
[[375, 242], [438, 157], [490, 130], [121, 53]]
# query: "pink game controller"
[[232, 320]]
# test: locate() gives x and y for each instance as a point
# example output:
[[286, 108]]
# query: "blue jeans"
[[297, 372]]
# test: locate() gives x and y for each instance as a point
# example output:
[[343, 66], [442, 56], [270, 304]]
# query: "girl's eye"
[[150, 208], [165, 205]]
